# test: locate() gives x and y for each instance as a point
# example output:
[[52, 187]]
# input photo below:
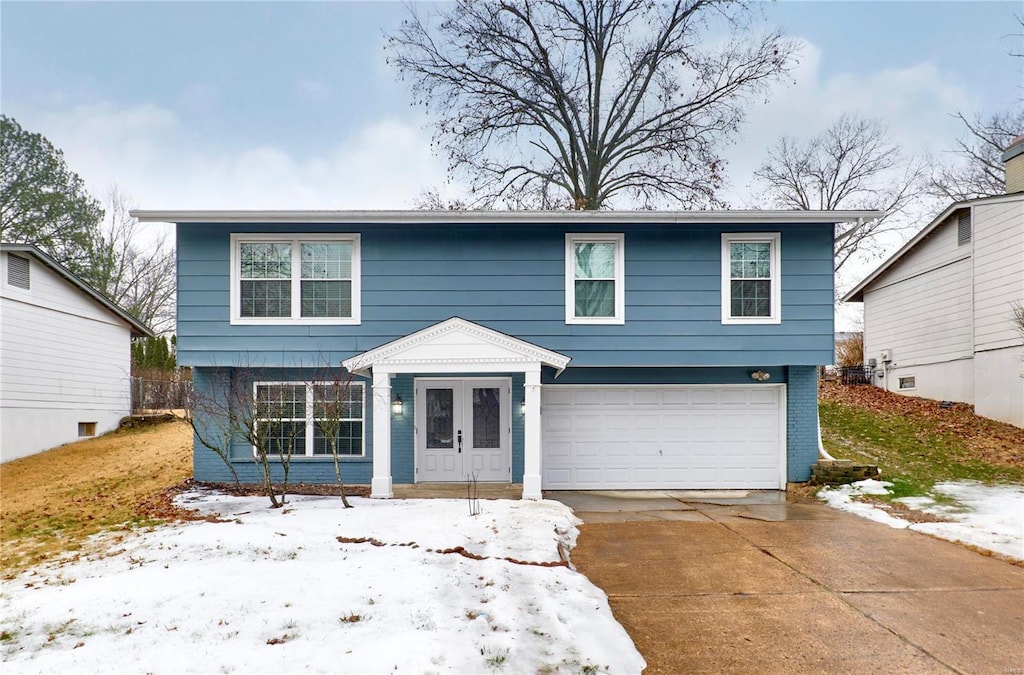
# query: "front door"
[[462, 430]]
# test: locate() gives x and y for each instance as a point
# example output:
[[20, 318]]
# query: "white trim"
[[509, 354], [533, 437], [774, 239], [619, 240], [296, 240], [381, 483], [310, 421], [752, 216], [783, 407], [899, 382], [419, 421]]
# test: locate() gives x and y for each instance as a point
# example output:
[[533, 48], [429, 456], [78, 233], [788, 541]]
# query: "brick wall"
[[801, 422]]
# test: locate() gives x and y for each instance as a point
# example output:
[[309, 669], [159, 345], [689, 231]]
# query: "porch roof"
[[456, 346]]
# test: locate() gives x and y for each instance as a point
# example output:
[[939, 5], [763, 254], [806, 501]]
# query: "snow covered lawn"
[[987, 517], [276, 591]]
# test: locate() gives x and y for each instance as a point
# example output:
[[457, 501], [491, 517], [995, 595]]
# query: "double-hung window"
[[301, 419], [302, 279], [751, 276], [595, 279]]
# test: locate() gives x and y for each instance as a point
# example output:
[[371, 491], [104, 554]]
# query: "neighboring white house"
[[939, 315], [65, 355]]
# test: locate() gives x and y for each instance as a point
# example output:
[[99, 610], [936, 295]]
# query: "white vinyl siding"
[[923, 320], [998, 273], [282, 279], [64, 359]]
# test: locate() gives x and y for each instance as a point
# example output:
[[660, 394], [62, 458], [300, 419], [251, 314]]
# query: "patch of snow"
[[990, 517], [842, 497], [275, 591]]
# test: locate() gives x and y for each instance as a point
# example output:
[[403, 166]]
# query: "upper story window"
[[295, 278], [751, 275], [595, 279], [18, 271]]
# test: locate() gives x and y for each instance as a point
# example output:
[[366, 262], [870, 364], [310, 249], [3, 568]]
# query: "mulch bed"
[[161, 506]]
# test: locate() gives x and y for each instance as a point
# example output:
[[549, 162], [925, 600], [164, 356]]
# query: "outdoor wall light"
[[522, 407], [760, 376], [397, 405]]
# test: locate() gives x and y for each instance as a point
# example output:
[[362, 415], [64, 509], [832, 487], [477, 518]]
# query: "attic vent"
[[963, 228], [17, 271]]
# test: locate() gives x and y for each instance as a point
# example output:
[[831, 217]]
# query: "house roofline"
[[857, 293], [139, 329], [404, 217]]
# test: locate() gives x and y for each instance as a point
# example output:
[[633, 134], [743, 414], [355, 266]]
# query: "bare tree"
[[212, 417], [138, 275], [234, 404], [278, 427], [590, 99], [337, 411], [977, 170], [853, 164]]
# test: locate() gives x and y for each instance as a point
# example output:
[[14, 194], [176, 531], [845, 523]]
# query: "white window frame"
[[619, 240], [296, 241], [899, 382], [310, 422], [775, 257]]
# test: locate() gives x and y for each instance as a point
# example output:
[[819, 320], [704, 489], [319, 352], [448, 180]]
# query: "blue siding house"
[[557, 350]]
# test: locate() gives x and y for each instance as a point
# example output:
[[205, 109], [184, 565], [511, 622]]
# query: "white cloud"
[[915, 101], [147, 152]]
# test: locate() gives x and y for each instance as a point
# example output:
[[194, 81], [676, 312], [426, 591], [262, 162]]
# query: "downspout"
[[821, 447]]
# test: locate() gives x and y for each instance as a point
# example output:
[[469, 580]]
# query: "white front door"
[[462, 430]]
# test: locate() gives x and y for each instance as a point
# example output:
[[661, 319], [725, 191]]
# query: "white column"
[[381, 486], [532, 436]]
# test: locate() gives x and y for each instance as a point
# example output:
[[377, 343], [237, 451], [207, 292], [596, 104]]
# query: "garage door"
[[694, 437]]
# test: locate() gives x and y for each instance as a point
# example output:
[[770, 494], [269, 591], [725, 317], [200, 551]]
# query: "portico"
[[474, 354]]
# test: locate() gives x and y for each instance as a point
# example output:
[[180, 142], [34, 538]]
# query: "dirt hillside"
[[52, 501]]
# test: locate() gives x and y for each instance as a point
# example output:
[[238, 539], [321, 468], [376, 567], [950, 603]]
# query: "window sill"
[[304, 459], [745, 321], [295, 322], [603, 321]]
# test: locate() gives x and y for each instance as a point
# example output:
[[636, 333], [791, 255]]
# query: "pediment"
[[456, 345]]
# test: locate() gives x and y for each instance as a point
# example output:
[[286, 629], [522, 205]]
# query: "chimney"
[[1013, 159]]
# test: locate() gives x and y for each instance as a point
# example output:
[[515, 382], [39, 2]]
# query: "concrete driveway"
[[719, 584]]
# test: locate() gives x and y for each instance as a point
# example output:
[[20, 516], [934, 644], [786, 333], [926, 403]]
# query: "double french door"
[[462, 430]]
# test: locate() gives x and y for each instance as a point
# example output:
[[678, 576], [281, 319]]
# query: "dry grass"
[[52, 502]]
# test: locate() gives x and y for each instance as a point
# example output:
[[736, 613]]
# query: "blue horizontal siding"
[[511, 279]]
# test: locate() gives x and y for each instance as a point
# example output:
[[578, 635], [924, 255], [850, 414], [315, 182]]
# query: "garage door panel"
[[662, 437]]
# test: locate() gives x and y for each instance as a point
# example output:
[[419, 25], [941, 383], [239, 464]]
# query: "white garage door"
[[686, 437]]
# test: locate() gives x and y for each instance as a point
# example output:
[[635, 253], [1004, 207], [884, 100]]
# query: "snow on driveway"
[[990, 517], [276, 591]]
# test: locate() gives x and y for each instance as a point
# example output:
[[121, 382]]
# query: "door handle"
[[460, 440]]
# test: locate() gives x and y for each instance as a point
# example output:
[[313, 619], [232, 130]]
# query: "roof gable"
[[138, 328], [456, 345], [857, 293]]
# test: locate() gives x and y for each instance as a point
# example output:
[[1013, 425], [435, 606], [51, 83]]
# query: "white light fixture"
[[397, 405], [522, 407], [760, 376]]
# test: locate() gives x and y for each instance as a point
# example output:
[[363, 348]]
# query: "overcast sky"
[[292, 105]]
